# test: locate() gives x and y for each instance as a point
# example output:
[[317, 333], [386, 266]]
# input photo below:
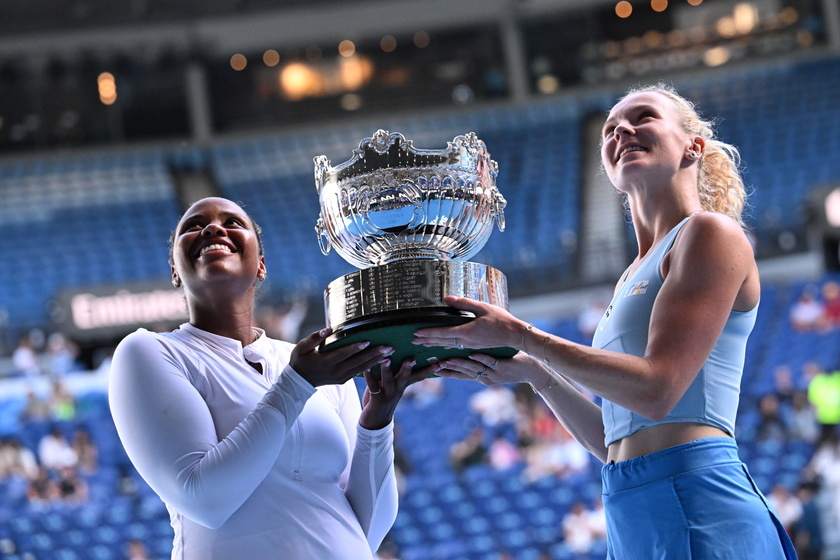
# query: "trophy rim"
[[381, 142], [388, 165]]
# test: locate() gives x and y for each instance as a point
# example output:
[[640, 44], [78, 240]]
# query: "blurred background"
[[116, 115]]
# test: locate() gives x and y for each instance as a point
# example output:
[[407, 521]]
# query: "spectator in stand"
[[25, 361], [598, 518], [831, 305], [589, 318], [497, 410], [469, 451], [784, 386], [503, 454], [824, 394], [86, 451], [824, 468], [55, 452], [537, 424], [771, 425], [36, 409], [557, 455], [62, 403], [787, 506], [807, 531], [18, 466], [803, 425], [137, 550], [62, 355], [807, 312], [16, 460], [425, 393], [72, 489], [7, 458], [582, 527], [284, 322], [42, 491]]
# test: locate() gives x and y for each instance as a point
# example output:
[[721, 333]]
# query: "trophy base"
[[386, 304], [396, 329]]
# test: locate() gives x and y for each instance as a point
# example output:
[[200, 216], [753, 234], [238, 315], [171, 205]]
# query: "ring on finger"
[[479, 375], [494, 364], [374, 392]]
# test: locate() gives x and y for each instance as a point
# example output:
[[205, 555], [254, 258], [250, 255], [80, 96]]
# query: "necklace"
[[256, 334]]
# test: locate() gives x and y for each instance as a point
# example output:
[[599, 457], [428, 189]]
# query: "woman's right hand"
[[336, 366]]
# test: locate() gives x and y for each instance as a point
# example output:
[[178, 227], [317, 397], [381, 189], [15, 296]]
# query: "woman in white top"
[[259, 448]]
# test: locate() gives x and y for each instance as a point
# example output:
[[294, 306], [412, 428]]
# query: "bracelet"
[[545, 356], [549, 386], [528, 328]]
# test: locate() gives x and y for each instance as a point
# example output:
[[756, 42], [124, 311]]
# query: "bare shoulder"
[[714, 247], [711, 236]]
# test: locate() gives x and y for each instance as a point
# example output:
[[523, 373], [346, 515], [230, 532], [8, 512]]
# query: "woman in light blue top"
[[668, 355]]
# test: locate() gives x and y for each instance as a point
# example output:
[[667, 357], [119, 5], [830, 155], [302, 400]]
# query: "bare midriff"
[[659, 437]]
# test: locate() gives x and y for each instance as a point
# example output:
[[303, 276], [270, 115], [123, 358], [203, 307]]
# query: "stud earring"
[[693, 155], [176, 282]]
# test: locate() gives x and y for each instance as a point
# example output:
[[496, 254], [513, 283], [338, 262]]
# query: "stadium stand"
[[104, 219]]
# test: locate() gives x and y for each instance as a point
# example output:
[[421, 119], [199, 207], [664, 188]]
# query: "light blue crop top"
[[712, 398]]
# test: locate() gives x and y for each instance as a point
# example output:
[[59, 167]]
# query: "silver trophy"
[[408, 219]]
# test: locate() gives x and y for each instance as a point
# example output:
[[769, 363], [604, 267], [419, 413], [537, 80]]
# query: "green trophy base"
[[396, 329]]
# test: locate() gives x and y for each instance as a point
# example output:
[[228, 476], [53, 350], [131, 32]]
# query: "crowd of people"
[[53, 474], [36, 355], [801, 414], [516, 431], [817, 308]]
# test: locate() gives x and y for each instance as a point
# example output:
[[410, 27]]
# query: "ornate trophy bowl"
[[408, 219]]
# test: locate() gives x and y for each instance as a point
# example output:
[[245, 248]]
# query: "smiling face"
[[216, 240], [643, 138]]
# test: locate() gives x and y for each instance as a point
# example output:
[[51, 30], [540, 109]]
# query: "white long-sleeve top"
[[250, 465]]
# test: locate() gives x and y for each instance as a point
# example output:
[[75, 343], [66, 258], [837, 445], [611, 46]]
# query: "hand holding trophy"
[[408, 219]]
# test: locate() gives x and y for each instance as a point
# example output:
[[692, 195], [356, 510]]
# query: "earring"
[[693, 155], [176, 282], [261, 277]]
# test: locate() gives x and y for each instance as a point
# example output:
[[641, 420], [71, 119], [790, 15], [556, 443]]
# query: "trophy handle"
[[323, 239], [498, 210], [322, 174]]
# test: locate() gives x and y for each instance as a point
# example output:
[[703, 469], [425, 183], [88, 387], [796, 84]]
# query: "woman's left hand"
[[490, 370], [382, 395]]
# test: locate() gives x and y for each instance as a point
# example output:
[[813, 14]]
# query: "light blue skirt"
[[694, 501]]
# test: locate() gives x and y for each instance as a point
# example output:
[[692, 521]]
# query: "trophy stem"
[[386, 304]]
